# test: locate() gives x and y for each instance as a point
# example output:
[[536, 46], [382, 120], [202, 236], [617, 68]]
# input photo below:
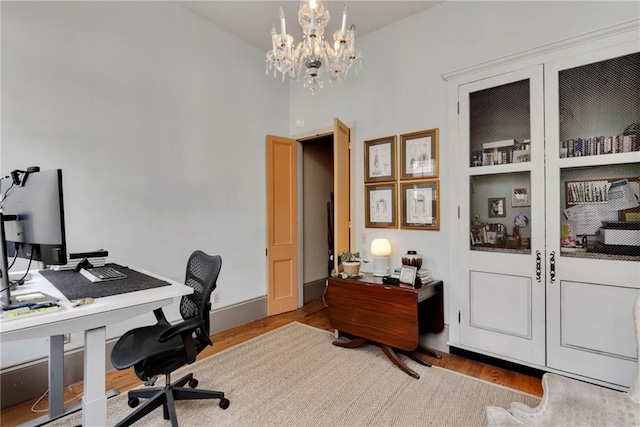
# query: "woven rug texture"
[[294, 376]]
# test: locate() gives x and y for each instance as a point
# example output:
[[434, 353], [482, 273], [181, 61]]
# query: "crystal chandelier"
[[313, 56]]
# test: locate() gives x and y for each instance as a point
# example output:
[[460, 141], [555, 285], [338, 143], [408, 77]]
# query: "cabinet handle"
[[538, 267], [552, 266]]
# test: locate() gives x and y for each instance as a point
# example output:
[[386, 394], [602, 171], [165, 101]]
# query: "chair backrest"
[[201, 275]]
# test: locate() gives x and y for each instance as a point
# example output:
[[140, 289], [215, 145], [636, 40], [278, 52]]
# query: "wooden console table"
[[390, 316]]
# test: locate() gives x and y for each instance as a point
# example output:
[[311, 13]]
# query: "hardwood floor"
[[313, 314]]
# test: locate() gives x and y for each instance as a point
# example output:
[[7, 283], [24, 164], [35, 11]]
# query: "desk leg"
[[56, 376], [94, 401]]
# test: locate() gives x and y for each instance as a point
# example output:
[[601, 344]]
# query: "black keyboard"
[[102, 274]]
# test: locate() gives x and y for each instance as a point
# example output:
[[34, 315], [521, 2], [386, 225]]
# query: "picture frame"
[[420, 205], [408, 274], [419, 154], [380, 205], [380, 159], [497, 207], [520, 196]]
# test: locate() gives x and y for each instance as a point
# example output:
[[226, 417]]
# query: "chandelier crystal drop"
[[313, 57]]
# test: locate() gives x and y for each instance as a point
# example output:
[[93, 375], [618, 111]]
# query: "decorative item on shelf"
[[412, 258], [314, 56], [380, 249]]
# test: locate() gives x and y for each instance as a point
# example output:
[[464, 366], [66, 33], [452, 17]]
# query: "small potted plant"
[[351, 263]]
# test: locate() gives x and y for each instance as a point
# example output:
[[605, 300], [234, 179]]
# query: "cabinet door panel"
[[502, 291], [595, 335], [590, 101], [501, 303]]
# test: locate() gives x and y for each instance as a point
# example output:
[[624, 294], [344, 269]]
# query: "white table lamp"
[[380, 249]]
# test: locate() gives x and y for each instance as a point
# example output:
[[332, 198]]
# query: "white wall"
[[400, 88], [158, 120]]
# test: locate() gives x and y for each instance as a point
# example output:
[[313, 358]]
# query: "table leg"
[[412, 355], [94, 401], [396, 360], [429, 352], [356, 342]]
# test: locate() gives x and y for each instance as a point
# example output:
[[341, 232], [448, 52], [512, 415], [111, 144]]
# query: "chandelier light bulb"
[[313, 57]]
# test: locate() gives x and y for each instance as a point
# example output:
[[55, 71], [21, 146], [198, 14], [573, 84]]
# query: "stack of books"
[[96, 258], [424, 275]]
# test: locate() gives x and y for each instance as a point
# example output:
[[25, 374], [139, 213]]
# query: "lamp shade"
[[380, 247]]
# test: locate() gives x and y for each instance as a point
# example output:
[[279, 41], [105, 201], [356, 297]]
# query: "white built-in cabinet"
[[546, 150]]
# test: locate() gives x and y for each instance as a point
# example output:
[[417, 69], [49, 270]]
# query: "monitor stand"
[[5, 293]]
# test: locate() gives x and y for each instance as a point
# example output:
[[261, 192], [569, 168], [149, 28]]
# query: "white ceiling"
[[252, 20]]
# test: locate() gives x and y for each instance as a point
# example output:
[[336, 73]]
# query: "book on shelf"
[[499, 144]]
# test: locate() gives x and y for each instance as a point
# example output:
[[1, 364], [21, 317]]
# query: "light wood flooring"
[[313, 314]]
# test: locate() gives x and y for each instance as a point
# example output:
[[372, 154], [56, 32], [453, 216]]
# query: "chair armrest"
[[180, 328]]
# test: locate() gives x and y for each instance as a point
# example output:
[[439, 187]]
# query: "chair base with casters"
[[162, 348], [165, 396]]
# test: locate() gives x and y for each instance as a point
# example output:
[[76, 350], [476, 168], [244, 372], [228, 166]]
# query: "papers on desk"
[[17, 311], [588, 217]]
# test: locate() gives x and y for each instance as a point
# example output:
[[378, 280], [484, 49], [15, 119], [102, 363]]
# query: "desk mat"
[[75, 286]]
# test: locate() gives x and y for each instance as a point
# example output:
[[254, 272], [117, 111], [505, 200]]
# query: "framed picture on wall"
[[380, 159], [420, 205], [497, 207], [520, 197], [419, 154], [380, 206]]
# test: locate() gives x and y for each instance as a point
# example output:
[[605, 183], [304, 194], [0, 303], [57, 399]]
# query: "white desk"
[[92, 319]]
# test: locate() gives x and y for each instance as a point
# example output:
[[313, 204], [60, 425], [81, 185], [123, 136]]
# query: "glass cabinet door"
[[502, 302], [593, 212]]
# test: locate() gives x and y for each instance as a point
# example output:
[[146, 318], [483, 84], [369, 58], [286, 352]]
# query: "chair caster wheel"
[[133, 402], [224, 403], [193, 383]]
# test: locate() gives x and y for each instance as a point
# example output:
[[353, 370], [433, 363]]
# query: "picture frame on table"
[[420, 202], [520, 197], [419, 154], [380, 205], [380, 159], [408, 274], [497, 207]]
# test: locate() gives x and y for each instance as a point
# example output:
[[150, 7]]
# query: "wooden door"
[[341, 186], [282, 214]]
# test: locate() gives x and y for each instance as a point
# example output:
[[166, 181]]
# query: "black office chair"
[[163, 348]]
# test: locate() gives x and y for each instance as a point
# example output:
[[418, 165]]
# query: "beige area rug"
[[294, 376]]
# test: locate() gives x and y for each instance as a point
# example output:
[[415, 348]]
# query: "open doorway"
[[317, 214], [285, 266]]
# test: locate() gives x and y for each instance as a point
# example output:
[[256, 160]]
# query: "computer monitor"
[[33, 216]]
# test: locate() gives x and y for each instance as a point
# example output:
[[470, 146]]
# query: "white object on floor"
[[566, 401]]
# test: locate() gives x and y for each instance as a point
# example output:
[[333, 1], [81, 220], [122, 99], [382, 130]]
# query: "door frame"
[[312, 134]]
